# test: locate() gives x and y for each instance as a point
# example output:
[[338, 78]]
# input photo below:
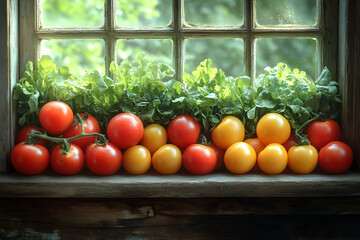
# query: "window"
[[330, 36], [240, 36]]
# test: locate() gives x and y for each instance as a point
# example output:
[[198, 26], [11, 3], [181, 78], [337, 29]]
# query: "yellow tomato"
[[240, 158], [256, 144], [273, 128], [273, 159], [167, 159], [137, 160], [303, 159], [229, 131], [154, 137]]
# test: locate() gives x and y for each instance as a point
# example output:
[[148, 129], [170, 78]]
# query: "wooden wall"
[[219, 218]]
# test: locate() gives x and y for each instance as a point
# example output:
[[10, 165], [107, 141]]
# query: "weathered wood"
[[180, 218], [182, 185], [8, 75], [349, 74]]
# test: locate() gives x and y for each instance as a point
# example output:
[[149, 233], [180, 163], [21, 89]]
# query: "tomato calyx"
[[64, 142]]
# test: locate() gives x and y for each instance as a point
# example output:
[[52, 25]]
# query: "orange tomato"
[[273, 159], [167, 159], [273, 128], [256, 144], [137, 160], [303, 159], [154, 137], [229, 131], [240, 158]]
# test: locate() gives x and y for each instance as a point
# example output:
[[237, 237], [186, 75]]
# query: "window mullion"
[[110, 41], [179, 45], [29, 44]]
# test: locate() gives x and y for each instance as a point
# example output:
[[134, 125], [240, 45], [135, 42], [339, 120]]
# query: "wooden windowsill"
[[181, 185]]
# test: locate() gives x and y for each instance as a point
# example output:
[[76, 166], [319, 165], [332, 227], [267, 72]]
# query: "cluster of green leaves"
[[148, 90]]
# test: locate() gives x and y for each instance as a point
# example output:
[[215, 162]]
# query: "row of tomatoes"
[[167, 150]]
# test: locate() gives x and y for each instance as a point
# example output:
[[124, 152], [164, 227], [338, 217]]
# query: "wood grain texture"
[[183, 185], [8, 76], [230, 218], [349, 74]]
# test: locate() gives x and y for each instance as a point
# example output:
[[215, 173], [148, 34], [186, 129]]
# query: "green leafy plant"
[[148, 90]]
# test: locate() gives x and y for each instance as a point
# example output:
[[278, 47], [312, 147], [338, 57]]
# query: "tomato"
[[103, 160], [29, 159], [55, 117], [137, 160], [240, 158], [154, 137], [125, 130], [273, 128], [219, 156], [167, 159], [336, 157], [67, 164], [91, 125], [256, 144], [292, 141], [25, 132], [199, 159], [183, 131], [229, 131], [321, 133], [273, 159], [302, 159]]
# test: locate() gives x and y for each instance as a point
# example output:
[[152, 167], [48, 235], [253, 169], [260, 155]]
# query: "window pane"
[[72, 13], [78, 55], [158, 50], [286, 12], [226, 54], [215, 12], [295, 52], [143, 13]]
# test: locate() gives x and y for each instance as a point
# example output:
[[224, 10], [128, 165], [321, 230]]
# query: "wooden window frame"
[[345, 40]]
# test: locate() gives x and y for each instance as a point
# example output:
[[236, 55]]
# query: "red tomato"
[[219, 156], [67, 164], [321, 133], [199, 159], [29, 159], [103, 160], [335, 157], [125, 130], [91, 125], [55, 117], [25, 132], [183, 131], [292, 141]]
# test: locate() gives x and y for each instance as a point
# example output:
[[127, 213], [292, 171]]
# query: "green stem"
[[100, 139]]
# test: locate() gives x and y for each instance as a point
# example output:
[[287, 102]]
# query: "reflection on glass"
[[143, 13], [295, 52], [157, 50], [77, 55], [215, 12], [286, 12], [72, 13], [226, 54]]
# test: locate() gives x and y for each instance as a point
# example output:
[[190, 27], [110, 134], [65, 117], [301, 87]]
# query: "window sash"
[[178, 31]]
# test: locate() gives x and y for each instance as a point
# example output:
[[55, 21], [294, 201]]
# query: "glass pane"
[[226, 54], [295, 52], [143, 13], [158, 50], [78, 55], [214, 13], [72, 13], [286, 12]]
